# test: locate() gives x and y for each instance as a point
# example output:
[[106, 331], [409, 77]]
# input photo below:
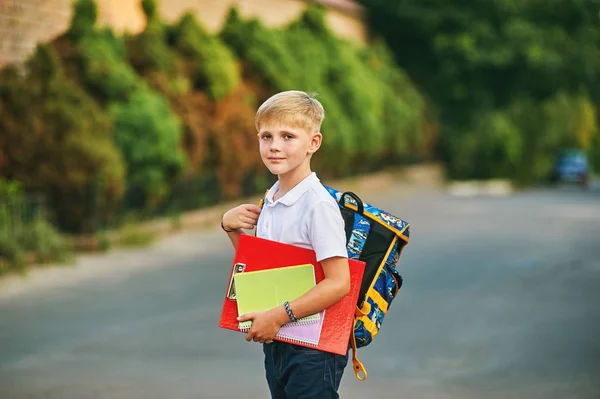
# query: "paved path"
[[501, 300]]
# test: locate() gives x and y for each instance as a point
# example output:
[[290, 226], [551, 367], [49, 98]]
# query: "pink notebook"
[[304, 334]]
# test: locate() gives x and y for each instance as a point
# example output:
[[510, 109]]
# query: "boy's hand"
[[265, 325], [241, 217]]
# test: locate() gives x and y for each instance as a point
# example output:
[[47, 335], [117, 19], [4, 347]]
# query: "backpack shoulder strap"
[[260, 204], [262, 200]]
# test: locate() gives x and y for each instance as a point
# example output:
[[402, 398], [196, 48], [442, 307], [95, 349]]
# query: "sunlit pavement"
[[501, 300]]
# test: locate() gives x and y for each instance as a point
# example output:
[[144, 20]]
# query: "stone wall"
[[24, 23]]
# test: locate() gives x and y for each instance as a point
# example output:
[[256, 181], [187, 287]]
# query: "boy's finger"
[[251, 215], [249, 219], [253, 208], [246, 317], [249, 336]]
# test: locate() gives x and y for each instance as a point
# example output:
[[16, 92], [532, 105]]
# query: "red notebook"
[[259, 254]]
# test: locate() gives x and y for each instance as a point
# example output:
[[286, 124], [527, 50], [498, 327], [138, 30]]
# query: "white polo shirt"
[[306, 216]]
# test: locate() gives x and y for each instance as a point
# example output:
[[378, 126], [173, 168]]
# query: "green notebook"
[[267, 289]]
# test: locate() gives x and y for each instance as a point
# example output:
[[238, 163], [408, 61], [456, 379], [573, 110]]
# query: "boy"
[[298, 210]]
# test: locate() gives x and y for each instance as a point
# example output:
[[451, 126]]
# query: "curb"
[[472, 188]]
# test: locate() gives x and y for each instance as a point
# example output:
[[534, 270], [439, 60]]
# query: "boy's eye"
[[265, 137], [288, 137]]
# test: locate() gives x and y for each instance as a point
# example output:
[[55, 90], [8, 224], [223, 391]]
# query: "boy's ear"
[[315, 142]]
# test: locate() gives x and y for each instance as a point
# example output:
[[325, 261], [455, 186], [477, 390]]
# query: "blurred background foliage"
[[365, 95], [25, 231], [108, 126], [511, 81], [112, 128]]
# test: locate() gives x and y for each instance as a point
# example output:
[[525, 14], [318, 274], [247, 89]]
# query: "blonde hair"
[[297, 108]]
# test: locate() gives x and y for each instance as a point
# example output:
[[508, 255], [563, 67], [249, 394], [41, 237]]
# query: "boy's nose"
[[274, 146]]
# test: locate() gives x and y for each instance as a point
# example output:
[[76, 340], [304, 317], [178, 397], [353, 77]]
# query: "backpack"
[[377, 238]]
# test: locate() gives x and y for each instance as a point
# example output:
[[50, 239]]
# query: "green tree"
[[475, 59]]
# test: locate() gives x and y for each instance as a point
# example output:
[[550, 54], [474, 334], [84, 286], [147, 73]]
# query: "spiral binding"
[[305, 320], [296, 340], [290, 338]]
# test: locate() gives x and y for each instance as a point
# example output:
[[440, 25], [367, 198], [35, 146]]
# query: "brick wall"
[[23, 23]]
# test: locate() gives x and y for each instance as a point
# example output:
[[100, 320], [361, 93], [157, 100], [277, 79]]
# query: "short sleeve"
[[326, 231]]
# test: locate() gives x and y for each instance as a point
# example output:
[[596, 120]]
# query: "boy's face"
[[284, 148]]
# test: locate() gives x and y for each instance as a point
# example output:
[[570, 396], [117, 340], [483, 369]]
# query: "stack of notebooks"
[[266, 289], [266, 273]]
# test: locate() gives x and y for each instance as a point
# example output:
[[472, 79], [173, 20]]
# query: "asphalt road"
[[501, 300]]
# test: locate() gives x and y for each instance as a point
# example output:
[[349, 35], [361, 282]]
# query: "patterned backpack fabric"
[[377, 238]]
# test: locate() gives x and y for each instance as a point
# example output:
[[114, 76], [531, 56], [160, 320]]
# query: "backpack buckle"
[[359, 369]]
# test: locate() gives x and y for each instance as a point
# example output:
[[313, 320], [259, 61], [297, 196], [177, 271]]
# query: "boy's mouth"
[[275, 159]]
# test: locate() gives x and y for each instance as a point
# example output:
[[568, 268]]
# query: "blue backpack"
[[377, 238]]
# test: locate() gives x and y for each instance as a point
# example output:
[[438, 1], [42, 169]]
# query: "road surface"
[[501, 300]]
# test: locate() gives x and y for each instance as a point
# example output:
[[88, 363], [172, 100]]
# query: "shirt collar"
[[292, 196]]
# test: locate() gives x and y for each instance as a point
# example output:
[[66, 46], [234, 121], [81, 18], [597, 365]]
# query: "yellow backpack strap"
[[262, 200], [260, 205], [359, 369]]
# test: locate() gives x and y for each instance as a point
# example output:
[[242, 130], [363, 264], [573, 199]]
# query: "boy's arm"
[[328, 292], [328, 238], [234, 237]]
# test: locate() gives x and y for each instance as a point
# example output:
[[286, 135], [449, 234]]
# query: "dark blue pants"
[[297, 372]]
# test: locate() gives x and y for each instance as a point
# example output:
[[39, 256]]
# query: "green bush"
[[105, 71], [58, 142], [149, 136], [213, 66], [150, 49], [264, 49], [492, 149], [24, 230], [12, 256], [84, 18], [104, 242], [521, 141], [100, 57], [145, 129], [402, 103], [42, 239], [131, 235], [11, 199], [149, 7], [547, 128]]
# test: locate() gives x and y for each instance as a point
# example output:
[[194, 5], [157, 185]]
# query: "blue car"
[[571, 166]]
